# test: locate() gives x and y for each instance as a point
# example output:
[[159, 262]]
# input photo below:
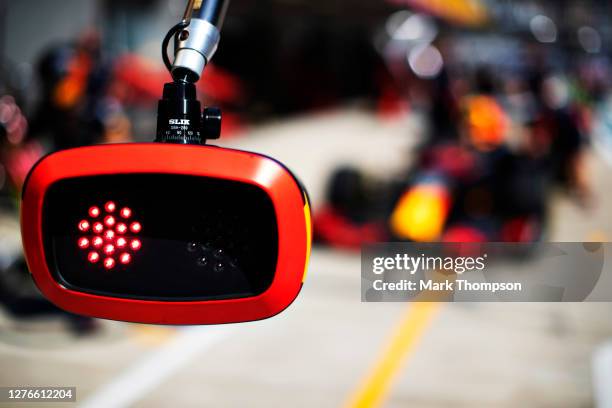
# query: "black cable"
[[212, 11], [173, 32]]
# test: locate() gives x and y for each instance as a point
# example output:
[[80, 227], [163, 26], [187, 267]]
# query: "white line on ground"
[[144, 376], [602, 376]]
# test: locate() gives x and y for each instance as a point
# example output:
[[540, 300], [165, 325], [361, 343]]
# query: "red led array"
[[108, 236]]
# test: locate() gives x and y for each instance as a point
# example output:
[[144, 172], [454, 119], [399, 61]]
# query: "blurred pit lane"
[[319, 351]]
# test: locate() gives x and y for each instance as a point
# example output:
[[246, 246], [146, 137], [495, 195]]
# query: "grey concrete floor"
[[319, 351]]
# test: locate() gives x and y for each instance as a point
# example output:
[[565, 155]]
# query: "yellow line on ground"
[[597, 236], [377, 384], [150, 335]]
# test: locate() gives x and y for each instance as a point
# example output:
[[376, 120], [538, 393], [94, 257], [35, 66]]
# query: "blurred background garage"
[[503, 105]]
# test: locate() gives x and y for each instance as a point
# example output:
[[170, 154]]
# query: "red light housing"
[[211, 235]]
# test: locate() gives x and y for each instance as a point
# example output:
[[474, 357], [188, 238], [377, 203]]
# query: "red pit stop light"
[[166, 233], [113, 245]]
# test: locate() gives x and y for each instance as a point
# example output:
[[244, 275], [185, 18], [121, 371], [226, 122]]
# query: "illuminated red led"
[[109, 263], [135, 244], [113, 238], [109, 220], [84, 225], [109, 249], [125, 258], [93, 257], [110, 206], [83, 243], [97, 242]]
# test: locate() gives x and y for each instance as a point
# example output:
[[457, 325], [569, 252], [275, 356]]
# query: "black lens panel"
[[200, 238]]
